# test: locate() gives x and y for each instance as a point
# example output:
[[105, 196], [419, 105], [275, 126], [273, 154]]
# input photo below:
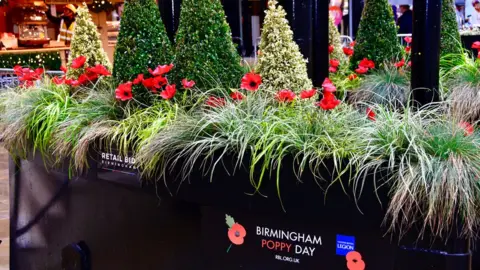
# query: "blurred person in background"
[[66, 22], [460, 13], [405, 22]]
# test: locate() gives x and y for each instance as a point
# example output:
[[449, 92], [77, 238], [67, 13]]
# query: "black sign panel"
[[242, 240]]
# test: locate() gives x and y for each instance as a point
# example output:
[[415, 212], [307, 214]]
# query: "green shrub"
[[450, 36], [86, 42], [142, 43], [205, 52], [281, 63], [377, 34]]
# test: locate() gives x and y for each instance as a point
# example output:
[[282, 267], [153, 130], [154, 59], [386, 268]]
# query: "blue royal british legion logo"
[[345, 244]]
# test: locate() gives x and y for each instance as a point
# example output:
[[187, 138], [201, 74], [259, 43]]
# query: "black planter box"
[[314, 230], [310, 207]]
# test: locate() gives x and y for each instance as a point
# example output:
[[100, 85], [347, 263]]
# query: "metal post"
[[320, 41], [299, 14], [426, 51]]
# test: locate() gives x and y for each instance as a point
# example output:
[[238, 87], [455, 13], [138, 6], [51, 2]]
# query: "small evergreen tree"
[[335, 41], [280, 61], [205, 51], [377, 34], [450, 36], [86, 42], [142, 42]]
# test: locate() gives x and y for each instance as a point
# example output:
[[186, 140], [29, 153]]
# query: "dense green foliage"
[[48, 60], [450, 36], [377, 34], [205, 52], [142, 43]]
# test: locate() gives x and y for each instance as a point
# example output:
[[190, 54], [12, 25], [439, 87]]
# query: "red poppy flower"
[[58, 80], [151, 84], [371, 114], [160, 81], [91, 76], [361, 70], [408, 49], [332, 69], [328, 102], [237, 234], [328, 86], [99, 70], [400, 63], [409, 63], [17, 69], [408, 40], [64, 69], [27, 84], [285, 95], [476, 45], [352, 77], [237, 95], [251, 81], [82, 79], [68, 81], [160, 70], [467, 127], [353, 43], [39, 71], [330, 49], [124, 91], [139, 79], [348, 51], [334, 63], [79, 62], [305, 94], [169, 91], [366, 63], [215, 102], [188, 84]]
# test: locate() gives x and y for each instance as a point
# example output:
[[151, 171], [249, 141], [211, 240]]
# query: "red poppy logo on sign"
[[236, 232]]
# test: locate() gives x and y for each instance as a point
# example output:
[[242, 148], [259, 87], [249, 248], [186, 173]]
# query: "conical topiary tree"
[[377, 34], [280, 62], [335, 41], [205, 52], [450, 36], [86, 42], [142, 44]]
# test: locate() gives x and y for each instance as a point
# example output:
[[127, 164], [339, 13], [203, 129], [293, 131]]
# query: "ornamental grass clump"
[[142, 44], [388, 85], [461, 79], [30, 115], [204, 51], [377, 35], [433, 167], [86, 42], [259, 131], [280, 61]]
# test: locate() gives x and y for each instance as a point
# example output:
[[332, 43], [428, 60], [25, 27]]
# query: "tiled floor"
[[4, 211]]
